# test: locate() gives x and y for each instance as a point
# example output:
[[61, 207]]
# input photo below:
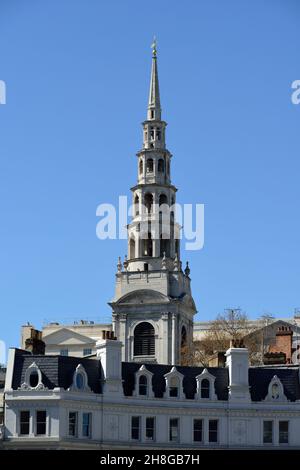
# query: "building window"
[[149, 165], [158, 133], [24, 422], [143, 385], [283, 432], [41, 417], [64, 352], [86, 424], [87, 352], [174, 430], [141, 166], [174, 387], [150, 429], [268, 432], [34, 379], [80, 381], [73, 420], [135, 427], [132, 248], [144, 340], [213, 430], [198, 430], [205, 388], [148, 200]]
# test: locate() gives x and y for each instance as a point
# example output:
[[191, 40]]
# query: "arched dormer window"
[[80, 380], [206, 386], [174, 381], [144, 340], [143, 383], [33, 378], [275, 390]]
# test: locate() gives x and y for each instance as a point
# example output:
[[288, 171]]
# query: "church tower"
[[153, 307]]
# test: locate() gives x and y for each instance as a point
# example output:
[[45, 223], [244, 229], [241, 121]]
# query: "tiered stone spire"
[[152, 231]]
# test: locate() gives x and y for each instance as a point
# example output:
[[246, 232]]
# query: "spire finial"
[[154, 47]]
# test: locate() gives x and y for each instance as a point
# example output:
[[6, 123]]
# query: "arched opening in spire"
[[184, 353], [132, 248], [149, 166], [148, 202], [161, 166], [136, 205], [164, 246], [141, 166], [144, 340], [147, 245], [163, 199]]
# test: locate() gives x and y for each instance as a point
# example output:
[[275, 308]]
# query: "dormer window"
[[275, 390], [143, 385], [33, 378], [174, 381], [80, 380], [174, 387], [206, 386]]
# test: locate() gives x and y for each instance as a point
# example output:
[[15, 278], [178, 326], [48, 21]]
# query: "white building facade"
[[102, 402], [130, 390]]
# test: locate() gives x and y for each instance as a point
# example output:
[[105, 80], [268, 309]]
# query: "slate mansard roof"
[[57, 371], [189, 381]]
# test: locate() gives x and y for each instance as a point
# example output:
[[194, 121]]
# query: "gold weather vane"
[[154, 47]]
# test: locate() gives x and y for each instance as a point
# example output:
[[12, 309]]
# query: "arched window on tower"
[[183, 347], [132, 248], [164, 246], [163, 199], [136, 205], [148, 202], [149, 166], [161, 165], [144, 340], [148, 245], [168, 168], [141, 166]]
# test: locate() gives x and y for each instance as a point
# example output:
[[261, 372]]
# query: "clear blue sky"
[[77, 75]]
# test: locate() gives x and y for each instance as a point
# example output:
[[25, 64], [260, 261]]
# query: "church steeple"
[[154, 109], [153, 308]]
